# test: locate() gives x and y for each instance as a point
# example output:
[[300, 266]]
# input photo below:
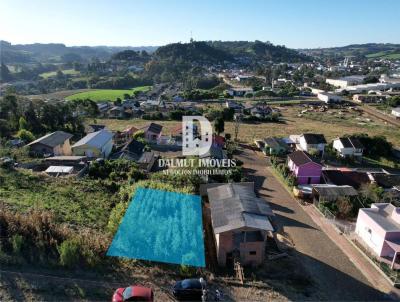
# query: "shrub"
[[69, 252], [25, 135], [17, 242], [116, 215]]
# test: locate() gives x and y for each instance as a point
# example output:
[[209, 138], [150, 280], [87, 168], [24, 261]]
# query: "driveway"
[[332, 271]]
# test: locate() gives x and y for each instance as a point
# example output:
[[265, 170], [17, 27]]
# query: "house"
[[152, 132], [312, 142], [274, 146], [94, 128], [95, 144], [116, 112], [378, 228], [396, 112], [329, 98], [103, 107], [122, 137], [238, 108], [348, 147], [135, 151], [240, 222], [56, 143], [239, 91], [261, 111], [306, 169], [152, 104]]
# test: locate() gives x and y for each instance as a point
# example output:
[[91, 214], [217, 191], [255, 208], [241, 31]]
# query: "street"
[[330, 268]]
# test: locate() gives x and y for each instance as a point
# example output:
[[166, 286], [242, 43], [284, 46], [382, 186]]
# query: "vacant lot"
[[83, 202], [106, 94], [332, 123]]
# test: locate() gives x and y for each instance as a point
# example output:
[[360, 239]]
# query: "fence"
[[337, 223]]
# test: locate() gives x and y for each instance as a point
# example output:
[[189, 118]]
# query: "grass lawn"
[[106, 94], [50, 74], [78, 201]]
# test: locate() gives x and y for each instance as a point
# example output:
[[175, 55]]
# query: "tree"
[[5, 74], [22, 123], [25, 135], [219, 125]]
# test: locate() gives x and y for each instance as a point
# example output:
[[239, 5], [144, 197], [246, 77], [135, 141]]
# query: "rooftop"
[[385, 215], [301, 158], [52, 139], [235, 205], [95, 139], [314, 139]]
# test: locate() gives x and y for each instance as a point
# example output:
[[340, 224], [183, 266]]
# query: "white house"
[[396, 112], [327, 97], [378, 227], [95, 144], [312, 142], [347, 146]]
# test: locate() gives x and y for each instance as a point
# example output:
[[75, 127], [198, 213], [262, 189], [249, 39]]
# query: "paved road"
[[335, 275]]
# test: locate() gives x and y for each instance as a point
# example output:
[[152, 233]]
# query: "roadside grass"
[[50, 74], [106, 94], [82, 202]]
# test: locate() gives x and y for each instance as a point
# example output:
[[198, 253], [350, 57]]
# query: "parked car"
[[133, 293], [188, 290]]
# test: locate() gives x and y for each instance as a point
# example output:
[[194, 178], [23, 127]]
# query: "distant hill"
[[46, 53], [361, 51], [260, 51], [192, 52]]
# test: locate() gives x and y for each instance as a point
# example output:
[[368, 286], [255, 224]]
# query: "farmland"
[[106, 94]]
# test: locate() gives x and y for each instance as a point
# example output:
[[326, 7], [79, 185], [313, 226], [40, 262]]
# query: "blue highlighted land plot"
[[161, 226]]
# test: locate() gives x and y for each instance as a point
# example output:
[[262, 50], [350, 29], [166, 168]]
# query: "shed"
[[332, 193]]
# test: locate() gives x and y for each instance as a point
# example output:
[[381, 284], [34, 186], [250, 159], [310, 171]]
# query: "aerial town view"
[[200, 150]]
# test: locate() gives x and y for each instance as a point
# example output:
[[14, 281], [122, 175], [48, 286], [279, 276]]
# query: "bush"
[[25, 135], [69, 252], [116, 215]]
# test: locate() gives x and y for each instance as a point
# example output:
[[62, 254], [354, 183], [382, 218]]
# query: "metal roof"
[[235, 206], [59, 169], [52, 139], [95, 139], [335, 191]]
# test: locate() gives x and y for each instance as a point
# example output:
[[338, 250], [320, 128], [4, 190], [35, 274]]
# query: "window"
[[253, 253]]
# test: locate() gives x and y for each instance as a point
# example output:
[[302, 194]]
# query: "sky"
[[294, 23]]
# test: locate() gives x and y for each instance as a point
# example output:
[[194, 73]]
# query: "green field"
[[50, 74], [106, 94], [384, 55]]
